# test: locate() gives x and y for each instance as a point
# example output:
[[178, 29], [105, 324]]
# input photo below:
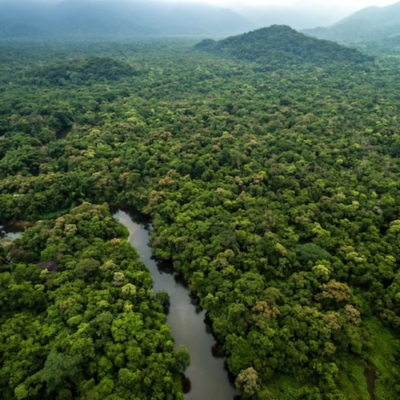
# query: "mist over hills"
[[141, 18], [368, 24], [14, 28], [71, 18], [301, 15]]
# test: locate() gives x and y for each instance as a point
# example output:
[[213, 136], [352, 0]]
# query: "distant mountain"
[[14, 28], [386, 46], [368, 24], [281, 45], [298, 16], [72, 18]]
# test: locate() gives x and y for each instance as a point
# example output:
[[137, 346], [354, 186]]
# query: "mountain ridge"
[[367, 24], [121, 18]]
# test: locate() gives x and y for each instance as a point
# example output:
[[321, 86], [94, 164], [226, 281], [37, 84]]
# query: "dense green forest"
[[272, 186], [280, 45], [78, 315]]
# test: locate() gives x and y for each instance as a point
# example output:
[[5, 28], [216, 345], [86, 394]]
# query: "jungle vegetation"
[[78, 315], [281, 45], [275, 191]]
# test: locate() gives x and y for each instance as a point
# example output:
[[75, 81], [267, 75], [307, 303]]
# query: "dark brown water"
[[63, 132], [13, 229], [207, 377], [370, 377]]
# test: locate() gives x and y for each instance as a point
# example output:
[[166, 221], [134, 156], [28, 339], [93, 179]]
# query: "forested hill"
[[280, 44], [368, 24]]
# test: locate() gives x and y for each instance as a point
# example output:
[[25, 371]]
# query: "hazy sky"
[[240, 4], [342, 3], [353, 3]]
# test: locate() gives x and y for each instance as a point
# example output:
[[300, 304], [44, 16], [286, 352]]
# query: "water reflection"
[[207, 377], [11, 230]]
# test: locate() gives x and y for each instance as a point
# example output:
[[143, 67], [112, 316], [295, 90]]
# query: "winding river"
[[207, 377]]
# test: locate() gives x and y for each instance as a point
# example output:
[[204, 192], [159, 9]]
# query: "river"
[[207, 377], [371, 378]]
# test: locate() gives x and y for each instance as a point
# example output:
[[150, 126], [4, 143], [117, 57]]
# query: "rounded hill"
[[280, 44]]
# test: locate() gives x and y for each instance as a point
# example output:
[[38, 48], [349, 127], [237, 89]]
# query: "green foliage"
[[276, 194], [281, 45], [78, 319], [311, 252], [80, 72], [61, 371], [182, 359], [246, 382]]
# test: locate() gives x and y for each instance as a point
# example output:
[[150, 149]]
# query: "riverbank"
[[207, 376]]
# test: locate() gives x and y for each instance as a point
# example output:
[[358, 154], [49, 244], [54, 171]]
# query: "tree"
[[246, 382], [182, 359], [61, 371]]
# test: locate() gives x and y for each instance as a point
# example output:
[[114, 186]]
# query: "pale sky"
[[335, 3], [331, 3], [307, 4]]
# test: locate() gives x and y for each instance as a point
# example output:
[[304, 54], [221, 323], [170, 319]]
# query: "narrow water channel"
[[371, 378], [207, 377]]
